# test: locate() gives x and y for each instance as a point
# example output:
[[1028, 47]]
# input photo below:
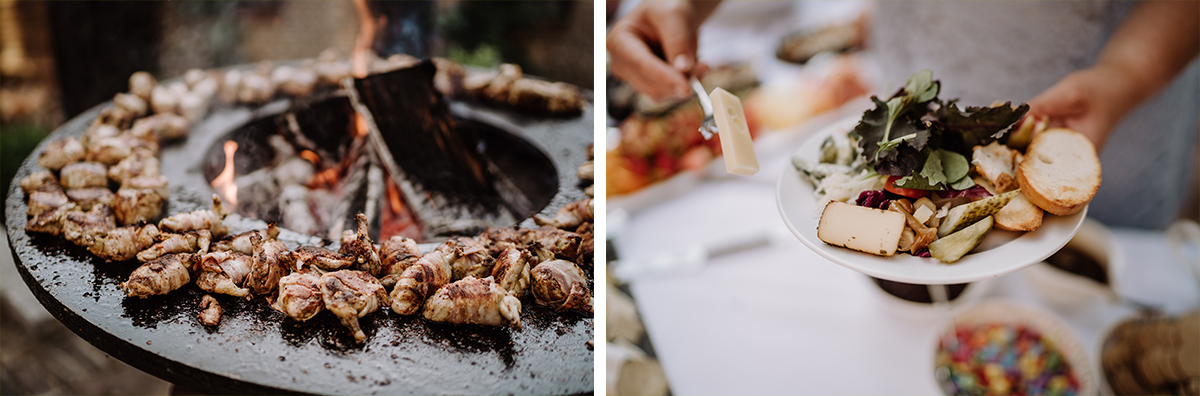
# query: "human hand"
[[1090, 101], [651, 32]]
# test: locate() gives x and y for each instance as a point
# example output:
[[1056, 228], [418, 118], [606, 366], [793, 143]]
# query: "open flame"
[[393, 197], [224, 183], [396, 218], [311, 157], [366, 37], [362, 47]]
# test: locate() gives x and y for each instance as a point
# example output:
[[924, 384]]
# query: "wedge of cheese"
[[860, 228], [736, 145]]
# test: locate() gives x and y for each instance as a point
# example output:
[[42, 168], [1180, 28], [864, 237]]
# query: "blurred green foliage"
[[16, 142], [478, 30], [483, 56]]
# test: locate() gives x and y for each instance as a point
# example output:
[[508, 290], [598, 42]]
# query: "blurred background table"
[[781, 319], [778, 318]]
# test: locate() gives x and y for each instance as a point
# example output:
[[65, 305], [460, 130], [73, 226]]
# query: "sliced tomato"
[[908, 192]]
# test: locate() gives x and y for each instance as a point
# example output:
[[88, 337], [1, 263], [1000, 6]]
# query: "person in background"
[[1122, 73]]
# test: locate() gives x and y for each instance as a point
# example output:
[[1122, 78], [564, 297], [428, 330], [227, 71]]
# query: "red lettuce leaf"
[[873, 199], [974, 192]]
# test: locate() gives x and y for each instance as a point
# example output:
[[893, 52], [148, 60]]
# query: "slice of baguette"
[[1060, 172], [1019, 215]]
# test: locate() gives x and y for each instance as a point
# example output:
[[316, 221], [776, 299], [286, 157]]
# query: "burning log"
[[450, 188]]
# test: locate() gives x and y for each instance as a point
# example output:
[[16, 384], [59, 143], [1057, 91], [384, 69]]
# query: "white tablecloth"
[[781, 320]]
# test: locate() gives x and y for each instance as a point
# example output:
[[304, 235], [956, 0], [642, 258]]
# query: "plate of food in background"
[[656, 151], [952, 206]]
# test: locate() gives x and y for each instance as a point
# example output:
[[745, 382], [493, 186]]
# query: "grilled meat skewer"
[[396, 254], [140, 163], [587, 244], [271, 261], [474, 300], [564, 244], [135, 205], [570, 216], [496, 239], [320, 259], [210, 311], [86, 198], [50, 221], [42, 201], [350, 295], [165, 126], [160, 276], [84, 175], [300, 296], [419, 281], [188, 242], [108, 150], [511, 270], [199, 219], [358, 246], [225, 273], [61, 152], [40, 181], [470, 257], [241, 242], [81, 228], [561, 285], [157, 183], [123, 243]]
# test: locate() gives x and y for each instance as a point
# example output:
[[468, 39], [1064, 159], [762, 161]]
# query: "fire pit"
[[256, 349], [277, 155]]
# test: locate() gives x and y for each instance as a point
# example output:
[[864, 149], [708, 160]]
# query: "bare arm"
[[653, 31], [1154, 43]]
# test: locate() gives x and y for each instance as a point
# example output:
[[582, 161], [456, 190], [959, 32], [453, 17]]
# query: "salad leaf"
[[888, 156], [964, 129], [963, 184], [943, 169], [873, 199], [954, 165], [902, 161], [921, 86], [931, 176], [897, 137], [973, 192]]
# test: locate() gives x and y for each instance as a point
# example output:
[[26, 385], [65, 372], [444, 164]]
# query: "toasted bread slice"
[[1060, 172], [1019, 215]]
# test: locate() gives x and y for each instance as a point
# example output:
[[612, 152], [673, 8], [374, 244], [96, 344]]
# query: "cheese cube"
[[736, 145], [923, 214], [860, 228]]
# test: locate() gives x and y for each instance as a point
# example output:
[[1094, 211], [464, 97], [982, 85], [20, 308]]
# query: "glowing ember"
[[224, 183], [393, 196], [323, 180], [311, 157], [396, 219], [360, 125]]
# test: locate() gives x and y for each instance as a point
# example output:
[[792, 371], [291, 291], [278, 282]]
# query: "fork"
[[709, 126]]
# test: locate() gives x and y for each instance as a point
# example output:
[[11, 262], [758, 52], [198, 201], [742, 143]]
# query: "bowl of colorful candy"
[[994, 347]]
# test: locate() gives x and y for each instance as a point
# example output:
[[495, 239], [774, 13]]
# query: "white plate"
[[1001, 252]]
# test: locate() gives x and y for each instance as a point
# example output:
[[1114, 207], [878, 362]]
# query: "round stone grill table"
[[257, 350]]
